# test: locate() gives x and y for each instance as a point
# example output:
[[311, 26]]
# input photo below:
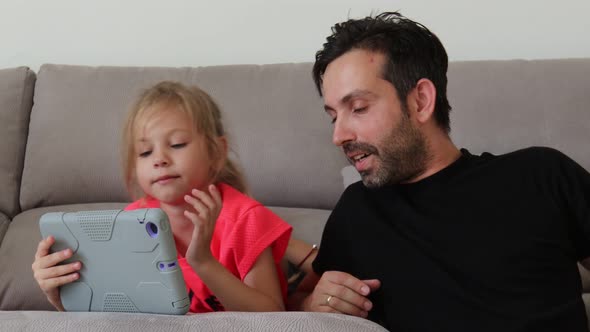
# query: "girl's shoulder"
[[143, 203], [239, 206], [236, 200]]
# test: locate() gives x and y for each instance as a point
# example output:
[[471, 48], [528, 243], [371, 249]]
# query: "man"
[[435, 238]]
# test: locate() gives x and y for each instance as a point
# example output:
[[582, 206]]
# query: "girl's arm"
[[260, 290], [301, 254]]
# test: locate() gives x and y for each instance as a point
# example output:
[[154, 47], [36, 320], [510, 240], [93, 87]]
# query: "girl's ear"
[[222, 155]]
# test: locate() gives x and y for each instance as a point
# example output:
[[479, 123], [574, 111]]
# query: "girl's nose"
[[160, 162]]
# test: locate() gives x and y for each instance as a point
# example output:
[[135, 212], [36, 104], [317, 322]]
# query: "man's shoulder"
[[537, 156], [538, 152]]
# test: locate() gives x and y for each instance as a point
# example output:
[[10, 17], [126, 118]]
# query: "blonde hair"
[[203, 113]]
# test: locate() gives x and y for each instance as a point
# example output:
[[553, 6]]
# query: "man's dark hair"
[[412, 52]]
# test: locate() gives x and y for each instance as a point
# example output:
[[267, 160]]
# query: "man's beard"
[[401, 156]]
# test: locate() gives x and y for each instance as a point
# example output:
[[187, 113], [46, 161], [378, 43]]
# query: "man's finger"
[[345, 279], [373, 284]]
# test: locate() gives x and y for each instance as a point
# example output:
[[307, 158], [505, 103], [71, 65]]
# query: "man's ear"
[[424, 100]]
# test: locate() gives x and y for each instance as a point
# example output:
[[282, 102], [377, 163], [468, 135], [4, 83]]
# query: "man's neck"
[[442, 152]]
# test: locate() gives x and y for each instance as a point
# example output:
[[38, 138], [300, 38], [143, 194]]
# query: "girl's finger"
[[204, 197], [53, 283], [198, 205], [52, 259], [216, 195], [197, 221], [43, 247], [58, 271]]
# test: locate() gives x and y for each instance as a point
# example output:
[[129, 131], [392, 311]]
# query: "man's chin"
[[369, 180]]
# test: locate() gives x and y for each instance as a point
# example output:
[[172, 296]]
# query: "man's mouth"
[[359, 157]]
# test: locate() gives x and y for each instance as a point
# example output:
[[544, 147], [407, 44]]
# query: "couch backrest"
[[16, 98], [275, 118], [500, 106], [280, 132]]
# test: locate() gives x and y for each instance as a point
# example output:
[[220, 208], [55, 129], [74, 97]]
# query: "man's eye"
[[145, 154], [178, 146], [333, 120], [359, 110]]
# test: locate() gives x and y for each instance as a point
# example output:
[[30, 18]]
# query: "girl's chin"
[[172, 201]]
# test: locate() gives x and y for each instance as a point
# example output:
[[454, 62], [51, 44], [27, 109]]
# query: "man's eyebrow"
[[352, 95]]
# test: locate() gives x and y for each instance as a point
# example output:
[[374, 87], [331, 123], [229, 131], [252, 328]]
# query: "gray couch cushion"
[[308, 224], [16, 98], [216, 321], [500, 106], [281, 134], [4, 221], [18, 289]]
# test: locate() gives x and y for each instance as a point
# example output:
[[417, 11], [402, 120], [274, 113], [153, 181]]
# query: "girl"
[[175, 156]]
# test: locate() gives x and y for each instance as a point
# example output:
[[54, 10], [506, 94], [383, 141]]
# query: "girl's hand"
[[207, 207], [49, 275]]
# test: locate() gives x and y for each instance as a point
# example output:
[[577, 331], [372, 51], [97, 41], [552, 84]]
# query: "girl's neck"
[[181, 226], [176, 215]]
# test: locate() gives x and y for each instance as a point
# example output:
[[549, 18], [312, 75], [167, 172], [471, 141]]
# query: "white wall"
[[213, 32]]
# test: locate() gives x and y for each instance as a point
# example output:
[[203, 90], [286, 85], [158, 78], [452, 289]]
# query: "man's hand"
[[340, 292]]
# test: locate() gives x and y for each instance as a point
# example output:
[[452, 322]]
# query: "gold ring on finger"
[[328, 300]]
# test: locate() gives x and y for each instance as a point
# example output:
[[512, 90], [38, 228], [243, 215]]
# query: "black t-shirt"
[[489, 243]]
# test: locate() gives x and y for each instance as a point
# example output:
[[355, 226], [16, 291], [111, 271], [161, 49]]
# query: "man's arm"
[[334, 291]]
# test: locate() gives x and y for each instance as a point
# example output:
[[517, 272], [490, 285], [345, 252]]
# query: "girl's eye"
[[333, 120], [178, 146], [145, 154]]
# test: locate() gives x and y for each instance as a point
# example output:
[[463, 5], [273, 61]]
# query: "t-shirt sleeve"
[[257, 229], [573, 183]]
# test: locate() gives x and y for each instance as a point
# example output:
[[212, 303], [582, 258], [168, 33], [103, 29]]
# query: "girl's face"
[[171, 159]]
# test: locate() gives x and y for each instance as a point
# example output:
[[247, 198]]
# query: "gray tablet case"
[[128, 261]]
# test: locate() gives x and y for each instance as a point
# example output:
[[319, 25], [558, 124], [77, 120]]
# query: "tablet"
[[128, 260]]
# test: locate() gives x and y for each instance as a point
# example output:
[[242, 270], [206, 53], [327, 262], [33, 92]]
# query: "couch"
[[59, 151]]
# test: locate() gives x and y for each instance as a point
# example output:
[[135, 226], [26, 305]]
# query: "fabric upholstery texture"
[[282, 136], [18, 288], [507, 105], [16, 98], [44, 321], [4, 220]]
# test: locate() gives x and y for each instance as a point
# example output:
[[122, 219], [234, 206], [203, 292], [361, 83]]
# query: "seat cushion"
[[18, 288], [215, 321]]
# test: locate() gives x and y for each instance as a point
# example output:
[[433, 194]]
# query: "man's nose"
[[342, 132]]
